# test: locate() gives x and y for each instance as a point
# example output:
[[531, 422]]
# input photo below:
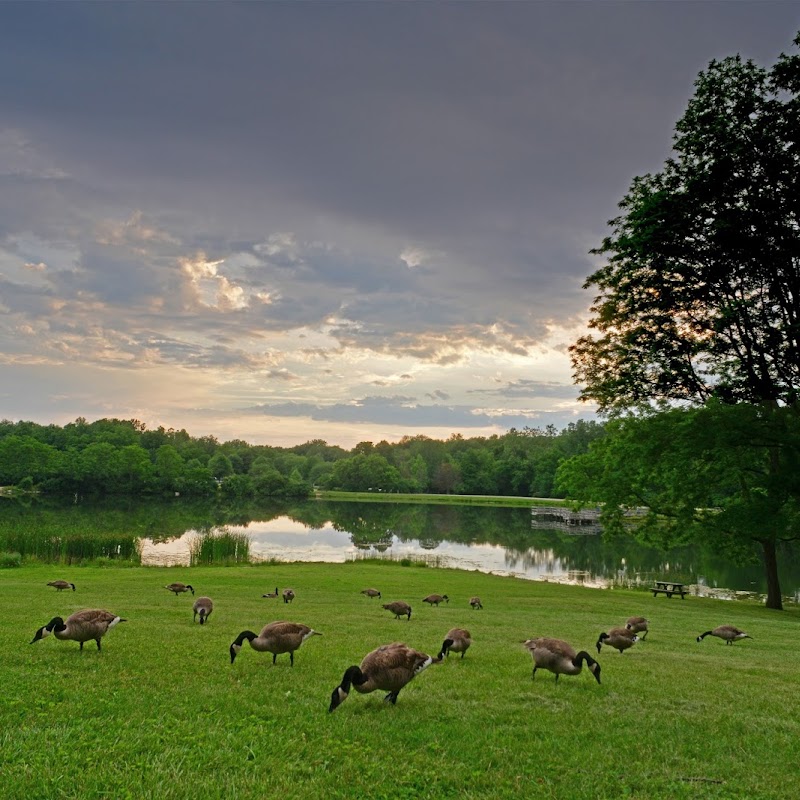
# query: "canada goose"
[[618, 638], [288, 595], [398, 608], [61, 585], [475, 602], [178, 588], [729, 633], [435, 599], [202, 606], [92, 623], [458, 640], [389, 668], [271, 594], [371, 593], [637, 625], [560, 658], [275, 638]]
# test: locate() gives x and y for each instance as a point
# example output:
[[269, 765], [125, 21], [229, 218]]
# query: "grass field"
[[440, 499], [161, 712]]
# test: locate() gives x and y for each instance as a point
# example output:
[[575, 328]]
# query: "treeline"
[[123, 457]]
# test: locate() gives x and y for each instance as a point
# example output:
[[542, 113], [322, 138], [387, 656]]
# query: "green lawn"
[[161, 712], [440, 499]]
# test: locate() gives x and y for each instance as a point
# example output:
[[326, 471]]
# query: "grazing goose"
[[61, 585], [389, 668], [398, 608], [178, 588], [271, 594], [475, 602], [729, 633], [92, 623], [288, 595], [637, 625], [560, 658], [458, 640], [371, 593], [435, 599], [275, 638], [202, 606], [618, 638]]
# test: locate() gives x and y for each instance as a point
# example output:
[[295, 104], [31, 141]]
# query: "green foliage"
[[10, 559], [698, 296], [364, 472], [698, 301], [119, 457], [221, 548], [726, 475], [238, 486], [25, 457], [220, 466]]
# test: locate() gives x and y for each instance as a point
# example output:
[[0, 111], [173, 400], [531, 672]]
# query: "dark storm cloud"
[[203, 182], [486, 130]]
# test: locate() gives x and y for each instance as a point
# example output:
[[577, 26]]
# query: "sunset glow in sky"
[[348, 221]]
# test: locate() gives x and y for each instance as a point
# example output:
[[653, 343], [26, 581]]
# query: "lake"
[[502, 541]]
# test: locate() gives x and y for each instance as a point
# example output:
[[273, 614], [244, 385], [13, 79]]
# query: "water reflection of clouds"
[[284, 539]]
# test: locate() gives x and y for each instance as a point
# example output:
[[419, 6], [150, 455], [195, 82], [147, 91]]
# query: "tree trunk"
[[774, 599]]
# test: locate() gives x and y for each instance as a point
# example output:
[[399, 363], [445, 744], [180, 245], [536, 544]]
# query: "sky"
[[349, 221]]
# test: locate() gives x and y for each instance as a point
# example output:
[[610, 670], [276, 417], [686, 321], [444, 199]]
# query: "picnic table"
[[669, 588]]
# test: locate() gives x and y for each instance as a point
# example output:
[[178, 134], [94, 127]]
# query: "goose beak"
[[338, 697], [40, 634]]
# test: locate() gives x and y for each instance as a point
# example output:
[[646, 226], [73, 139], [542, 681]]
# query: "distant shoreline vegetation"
[[122, 457]]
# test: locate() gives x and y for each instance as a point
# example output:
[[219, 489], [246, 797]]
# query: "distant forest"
[[113, 456]]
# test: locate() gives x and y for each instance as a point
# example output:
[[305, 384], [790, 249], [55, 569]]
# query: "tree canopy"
[[699, 295], [699, 307]]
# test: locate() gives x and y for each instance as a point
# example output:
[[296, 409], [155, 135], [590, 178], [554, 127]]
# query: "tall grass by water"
[[219, 547], [161, 712]]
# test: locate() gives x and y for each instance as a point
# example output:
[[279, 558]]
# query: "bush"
[[10, 559]]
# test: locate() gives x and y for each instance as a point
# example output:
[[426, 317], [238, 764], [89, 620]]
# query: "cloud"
[[405, 412], [408, 200], [531, 388]]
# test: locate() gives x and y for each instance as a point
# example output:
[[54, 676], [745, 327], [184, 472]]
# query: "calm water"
[[496, 540]]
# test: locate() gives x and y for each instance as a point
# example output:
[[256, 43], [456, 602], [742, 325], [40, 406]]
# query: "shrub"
[[10, 559]]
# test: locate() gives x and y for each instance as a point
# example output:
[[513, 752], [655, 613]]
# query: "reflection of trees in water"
[[372, 541], [429, 544], [52, 531]]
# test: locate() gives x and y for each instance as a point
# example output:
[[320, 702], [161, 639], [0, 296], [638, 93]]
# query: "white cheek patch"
[[236, 648], [114, 622], [426, 663], [308, 635], [45, 632]]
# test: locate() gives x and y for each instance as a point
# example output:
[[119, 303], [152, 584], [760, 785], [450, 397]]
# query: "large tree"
[[699, 295]]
